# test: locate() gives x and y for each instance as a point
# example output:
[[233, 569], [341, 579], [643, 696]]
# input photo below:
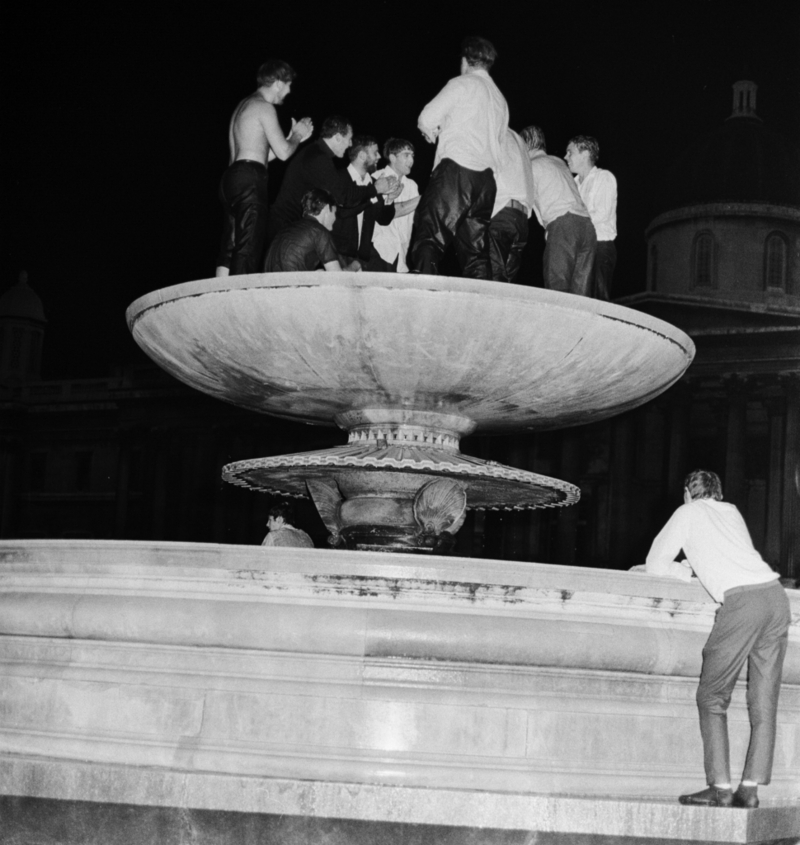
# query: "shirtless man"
[[255, 137]]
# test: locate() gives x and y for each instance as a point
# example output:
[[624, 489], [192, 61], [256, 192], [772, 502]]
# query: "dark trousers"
[[245, 203], [508, 235], [455, 207], [569, 254], [605, 260], [752, 625]]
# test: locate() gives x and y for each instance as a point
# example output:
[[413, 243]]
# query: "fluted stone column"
[[622, 489], [735, 481], [790, 535], [775, 479], [680, 408]]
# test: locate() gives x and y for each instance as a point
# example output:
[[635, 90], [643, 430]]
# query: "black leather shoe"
[[711, 797], [746, 796]]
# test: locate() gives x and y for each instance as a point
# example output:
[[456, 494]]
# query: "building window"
[[653, 275], [83, 471], [776, 252], [703, 260]]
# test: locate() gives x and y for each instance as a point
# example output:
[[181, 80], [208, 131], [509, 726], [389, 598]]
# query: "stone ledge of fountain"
[[349, 667], [144, 804]]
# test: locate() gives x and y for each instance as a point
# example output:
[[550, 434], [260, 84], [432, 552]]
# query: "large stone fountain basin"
[[356, 686], [311, 346]]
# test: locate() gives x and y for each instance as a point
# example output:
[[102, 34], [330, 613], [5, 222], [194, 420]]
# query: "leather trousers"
[[455, 208], [508, 235], [245, 202]]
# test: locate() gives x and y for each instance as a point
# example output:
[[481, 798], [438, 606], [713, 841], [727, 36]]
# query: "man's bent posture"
[[467, 120], [255, 137], [751, 625], [513, 205], [307, 244], [569, 232]]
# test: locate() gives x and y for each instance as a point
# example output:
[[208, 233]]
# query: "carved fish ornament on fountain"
[[407, 364]]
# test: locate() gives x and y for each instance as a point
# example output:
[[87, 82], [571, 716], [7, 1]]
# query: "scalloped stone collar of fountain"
[[369, 493]]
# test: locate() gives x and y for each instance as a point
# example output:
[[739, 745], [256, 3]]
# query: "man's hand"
[[354, 266], [641, 567], [301, 129], [430, 137], [384, 184], [394, 193]]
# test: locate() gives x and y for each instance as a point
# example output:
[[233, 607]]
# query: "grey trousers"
[[569, 254], [752, 625]]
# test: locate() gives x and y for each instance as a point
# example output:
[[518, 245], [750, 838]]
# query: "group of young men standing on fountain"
[[486, 183]]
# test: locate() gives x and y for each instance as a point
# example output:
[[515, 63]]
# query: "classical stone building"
[[724, 265]]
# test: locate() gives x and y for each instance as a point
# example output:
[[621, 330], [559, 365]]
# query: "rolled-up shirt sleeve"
[[666, 547]]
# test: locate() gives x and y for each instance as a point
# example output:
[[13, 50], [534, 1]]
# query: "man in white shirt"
[[569, 233], [353, 229], [392, 241], [751, 625], [467, 120], [513, 206], [598, 190]]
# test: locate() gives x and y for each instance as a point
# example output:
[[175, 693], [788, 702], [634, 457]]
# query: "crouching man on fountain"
[[282, 532], [307, 244], [751, 624]]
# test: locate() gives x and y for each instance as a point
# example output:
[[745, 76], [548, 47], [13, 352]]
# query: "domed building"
[[724, 265]]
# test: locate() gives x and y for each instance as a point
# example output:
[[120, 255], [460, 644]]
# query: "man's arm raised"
[[283, 146]]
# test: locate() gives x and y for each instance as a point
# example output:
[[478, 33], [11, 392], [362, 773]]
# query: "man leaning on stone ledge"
[[752, 624]]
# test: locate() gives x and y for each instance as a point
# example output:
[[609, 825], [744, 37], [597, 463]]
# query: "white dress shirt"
[[468, 118], [515, 178], [598, 191], [717, 546], [360, 180], [392, 241]]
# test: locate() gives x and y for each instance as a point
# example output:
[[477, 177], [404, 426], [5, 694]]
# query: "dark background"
[[115, 120]]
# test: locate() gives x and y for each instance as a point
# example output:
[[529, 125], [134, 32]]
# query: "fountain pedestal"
[[407, 365]]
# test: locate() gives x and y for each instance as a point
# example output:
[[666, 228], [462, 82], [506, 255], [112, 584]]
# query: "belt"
[[250, 161], [516, 205]]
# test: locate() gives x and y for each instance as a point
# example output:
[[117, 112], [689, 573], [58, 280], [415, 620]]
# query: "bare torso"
[[248, 134]]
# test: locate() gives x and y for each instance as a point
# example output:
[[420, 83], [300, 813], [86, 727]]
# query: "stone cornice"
[[725, 209]]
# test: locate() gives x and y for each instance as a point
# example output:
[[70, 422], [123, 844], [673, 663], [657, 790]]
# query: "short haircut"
[[395, 146], [315, 200], [335, 125], [591, 145], [274, 70], [533, 136], [478, 52], [359, 143], [703, 484], [283, 509]]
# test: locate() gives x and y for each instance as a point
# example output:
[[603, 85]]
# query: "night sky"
[[116, 115]]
